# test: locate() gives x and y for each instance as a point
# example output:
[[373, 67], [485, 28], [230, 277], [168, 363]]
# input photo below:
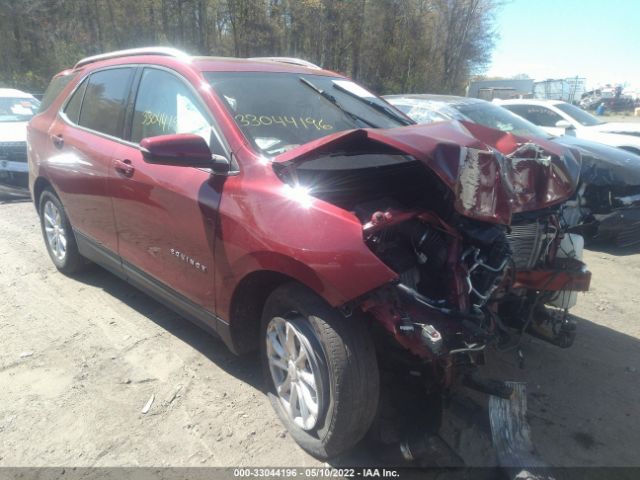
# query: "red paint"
[[250, 222], [176, 149]]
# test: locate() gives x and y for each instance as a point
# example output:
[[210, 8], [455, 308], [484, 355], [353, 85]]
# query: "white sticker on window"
[[190, 120], [354, 88]]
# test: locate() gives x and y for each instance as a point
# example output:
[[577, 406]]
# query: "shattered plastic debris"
[[175, 394], [146, 408]]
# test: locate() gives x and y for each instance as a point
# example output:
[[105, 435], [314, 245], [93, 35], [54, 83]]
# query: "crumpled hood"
[[492, 173], [604, 165], [13, 131]]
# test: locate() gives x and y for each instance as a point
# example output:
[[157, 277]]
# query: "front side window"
[[279, 111], [165, 105], [16, 109], [579, 115], [104, 101], [536, 114]]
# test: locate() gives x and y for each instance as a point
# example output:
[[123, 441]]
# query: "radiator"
[[527, 242]]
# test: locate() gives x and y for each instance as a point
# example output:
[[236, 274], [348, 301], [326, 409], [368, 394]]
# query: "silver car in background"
[[16, 109]]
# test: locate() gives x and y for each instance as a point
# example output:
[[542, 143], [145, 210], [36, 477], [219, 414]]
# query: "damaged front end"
[[474, 239]]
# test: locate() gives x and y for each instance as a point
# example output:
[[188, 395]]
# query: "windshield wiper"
[[335, 103], [376, 106]]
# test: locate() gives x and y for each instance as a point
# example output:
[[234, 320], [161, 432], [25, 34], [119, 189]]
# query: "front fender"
[[320, 245]]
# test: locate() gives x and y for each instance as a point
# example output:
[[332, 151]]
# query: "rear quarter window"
[[72, 110], [103, 106]]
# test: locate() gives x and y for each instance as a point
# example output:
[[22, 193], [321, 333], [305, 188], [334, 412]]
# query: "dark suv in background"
[[291, 211]]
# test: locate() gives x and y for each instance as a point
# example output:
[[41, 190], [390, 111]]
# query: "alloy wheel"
[[295, 374], [55, 231]]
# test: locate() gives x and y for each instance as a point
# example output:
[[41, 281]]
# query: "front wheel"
[[320, 370]]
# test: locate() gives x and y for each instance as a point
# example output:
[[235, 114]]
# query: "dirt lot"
[[81, 357]]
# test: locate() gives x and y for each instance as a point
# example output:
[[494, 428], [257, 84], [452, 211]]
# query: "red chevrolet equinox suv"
[[290, 211]]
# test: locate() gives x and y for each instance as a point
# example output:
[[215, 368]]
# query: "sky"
[[595, 39]]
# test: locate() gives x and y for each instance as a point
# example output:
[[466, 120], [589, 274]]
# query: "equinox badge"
[[187, 259]]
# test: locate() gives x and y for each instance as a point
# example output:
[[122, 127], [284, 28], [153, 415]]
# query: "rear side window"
[[72, 110], [165, 105], [104, 101], [56, 86]]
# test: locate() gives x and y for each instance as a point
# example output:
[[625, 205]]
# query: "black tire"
[[343, 351], [71, 262]]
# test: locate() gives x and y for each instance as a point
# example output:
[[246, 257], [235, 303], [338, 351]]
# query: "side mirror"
[[182, 150], [564, 124]]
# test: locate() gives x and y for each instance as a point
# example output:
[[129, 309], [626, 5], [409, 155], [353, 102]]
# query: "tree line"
[[392, 46]]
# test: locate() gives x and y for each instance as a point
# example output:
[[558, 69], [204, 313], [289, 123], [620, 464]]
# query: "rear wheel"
[[58, 235], [320, 369]]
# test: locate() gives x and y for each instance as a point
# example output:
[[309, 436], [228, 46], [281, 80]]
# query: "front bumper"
[[13, 166], [14, 178], [622, 225], [565, 274]]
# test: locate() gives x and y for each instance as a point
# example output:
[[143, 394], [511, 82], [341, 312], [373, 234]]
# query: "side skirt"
[[159, 291]]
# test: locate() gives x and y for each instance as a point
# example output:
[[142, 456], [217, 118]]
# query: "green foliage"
[[392, 46]]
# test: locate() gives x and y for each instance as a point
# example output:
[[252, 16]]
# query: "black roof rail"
[[165, 51], [290, 60]]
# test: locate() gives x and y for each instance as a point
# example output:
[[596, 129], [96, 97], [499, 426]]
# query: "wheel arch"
[[247, 304], [260, 273], [39, 186]]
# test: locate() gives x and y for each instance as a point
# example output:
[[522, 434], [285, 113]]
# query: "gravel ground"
[[82, 356]]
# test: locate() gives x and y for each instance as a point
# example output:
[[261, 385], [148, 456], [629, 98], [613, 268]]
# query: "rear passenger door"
[[165, 215], [84, 137]]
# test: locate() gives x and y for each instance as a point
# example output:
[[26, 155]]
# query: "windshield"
[[425, 112], [14, 109], [493, 116], [279, 111], [579, 115]]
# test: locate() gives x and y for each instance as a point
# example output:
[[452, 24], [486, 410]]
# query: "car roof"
[[169, 56], [447, 99], [222, 64], [13, 93]]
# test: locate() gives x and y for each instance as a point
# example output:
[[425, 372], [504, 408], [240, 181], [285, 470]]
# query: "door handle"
[[57, 140], [124, 167]]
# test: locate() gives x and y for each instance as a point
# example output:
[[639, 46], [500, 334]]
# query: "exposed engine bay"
[[463, 284], [471, 229]]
